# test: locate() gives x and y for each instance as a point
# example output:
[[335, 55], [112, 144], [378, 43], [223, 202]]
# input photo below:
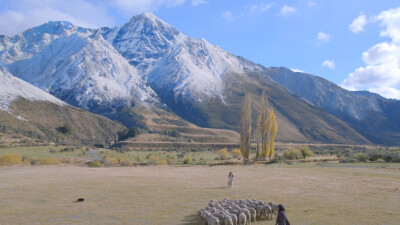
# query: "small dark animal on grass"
[[80, 200]]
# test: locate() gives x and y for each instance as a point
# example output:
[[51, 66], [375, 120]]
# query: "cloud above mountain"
[[24, 14], [381, 74]]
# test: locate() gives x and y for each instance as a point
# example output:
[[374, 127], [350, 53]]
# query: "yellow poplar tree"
[[245, 128], [267, 129], [272, 130]]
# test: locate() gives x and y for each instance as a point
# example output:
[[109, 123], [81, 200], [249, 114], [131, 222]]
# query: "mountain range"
[[146, 69]]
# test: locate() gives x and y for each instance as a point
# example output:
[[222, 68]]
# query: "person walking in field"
[[281, 219], [230, 180]]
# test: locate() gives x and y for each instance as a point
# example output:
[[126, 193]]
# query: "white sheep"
[[242, 218], [234, 218], [268, 211], [274, 207], [247, 213], [253, 214], [211, 220]]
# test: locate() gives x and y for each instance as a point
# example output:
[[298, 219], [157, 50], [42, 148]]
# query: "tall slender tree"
[[245, 128], [265, 132], [257, 137], [272, 130]]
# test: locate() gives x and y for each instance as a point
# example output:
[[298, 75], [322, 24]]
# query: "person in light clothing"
[[230, 180]]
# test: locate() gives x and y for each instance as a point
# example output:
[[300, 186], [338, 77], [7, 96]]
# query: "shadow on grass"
[[192, 220], [265, 220], [224, 187]]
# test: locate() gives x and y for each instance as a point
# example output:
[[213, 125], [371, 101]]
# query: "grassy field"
[[43, 151], [312, 194]]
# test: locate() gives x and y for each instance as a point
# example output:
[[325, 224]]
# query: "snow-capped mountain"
[[11, 88], [75, 65], [190, 69], [147, 62]]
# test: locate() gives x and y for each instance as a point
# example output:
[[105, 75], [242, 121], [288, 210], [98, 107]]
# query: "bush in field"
[[306, 152], [126, 162], [292, 154], [223, 154], [47, 161], [396, 157], [171, 161], [162, 162], [96, 164], [139, 158], [361, 157], [10, 159], [380, 160], [110, 161], [236, 153], [347, 160], [187, 160], [153, 159], [26, 161]]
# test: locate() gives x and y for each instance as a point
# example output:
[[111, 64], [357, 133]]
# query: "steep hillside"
[[30, 113], [372, 115]]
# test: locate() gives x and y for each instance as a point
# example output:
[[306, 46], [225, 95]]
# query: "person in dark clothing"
[[281, 218]]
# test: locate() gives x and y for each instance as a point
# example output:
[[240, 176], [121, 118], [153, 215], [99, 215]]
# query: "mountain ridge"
[[194, 79]]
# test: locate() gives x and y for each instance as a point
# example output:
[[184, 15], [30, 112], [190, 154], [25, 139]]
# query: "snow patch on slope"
[[168, 59], [85, 71], [11, 88]]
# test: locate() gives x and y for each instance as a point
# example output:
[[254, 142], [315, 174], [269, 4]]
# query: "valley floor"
[[172, 194]]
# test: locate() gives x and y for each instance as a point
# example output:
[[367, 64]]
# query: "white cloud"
[[358, 23], [198, 2], [381, 74], [311, 4], [30, 13], [387, 92], [227, 15], [323, 38], [391, 21], [287, 10], [329, 64], [133, 7], [261, 8]]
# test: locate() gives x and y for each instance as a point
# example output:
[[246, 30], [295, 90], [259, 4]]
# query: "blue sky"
[[355, 44]]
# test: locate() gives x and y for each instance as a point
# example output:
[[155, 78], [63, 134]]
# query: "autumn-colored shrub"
[[10, 159], [126, 162], [153, 159], [223, 154], [236, 153], [162, 162], [48, 161], [110, 161]]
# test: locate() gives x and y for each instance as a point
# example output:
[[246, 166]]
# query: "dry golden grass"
[[171, 195]]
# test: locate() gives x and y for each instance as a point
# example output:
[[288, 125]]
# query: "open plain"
[[312, 193]]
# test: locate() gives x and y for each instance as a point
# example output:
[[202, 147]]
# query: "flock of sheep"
[[233, 212]]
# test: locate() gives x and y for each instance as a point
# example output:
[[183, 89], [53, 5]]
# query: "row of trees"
[[264, 133]]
